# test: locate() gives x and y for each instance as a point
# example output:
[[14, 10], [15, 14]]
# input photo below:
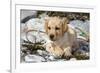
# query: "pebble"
[[40, 52], [73, 59], [51, 58], [87, 54]]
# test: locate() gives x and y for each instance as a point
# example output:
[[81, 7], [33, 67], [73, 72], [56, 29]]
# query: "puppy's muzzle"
[[51, 36]]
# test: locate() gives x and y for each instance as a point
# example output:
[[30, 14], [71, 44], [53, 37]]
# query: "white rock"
[[51, 57], [31, 37], [83, 25], [73, 59], [87, 54], [25, 13], [40, 52], [34, 58]]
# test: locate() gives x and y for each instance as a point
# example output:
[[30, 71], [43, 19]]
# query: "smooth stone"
[[41, 52], [73, 59], [34, 58], [51, 58], [87, 54]]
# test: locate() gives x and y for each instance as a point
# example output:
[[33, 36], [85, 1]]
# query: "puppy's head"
[[56, 27]]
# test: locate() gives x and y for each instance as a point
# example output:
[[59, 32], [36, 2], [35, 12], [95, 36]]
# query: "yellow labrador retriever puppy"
[[61, 34]]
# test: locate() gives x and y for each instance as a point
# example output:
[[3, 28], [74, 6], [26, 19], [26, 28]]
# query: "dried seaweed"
[[69, 15]]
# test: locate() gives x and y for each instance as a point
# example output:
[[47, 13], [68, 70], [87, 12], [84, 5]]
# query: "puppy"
[[61, 34]]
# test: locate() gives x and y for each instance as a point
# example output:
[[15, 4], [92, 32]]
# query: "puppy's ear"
[[46, 24], [64, 25]]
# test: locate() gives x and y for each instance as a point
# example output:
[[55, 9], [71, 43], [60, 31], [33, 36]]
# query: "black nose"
[[51, 36]]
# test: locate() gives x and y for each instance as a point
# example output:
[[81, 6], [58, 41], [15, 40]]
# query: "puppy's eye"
[[49, 28], [57, 28]]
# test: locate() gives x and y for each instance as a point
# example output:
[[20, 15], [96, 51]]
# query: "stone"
[[34, 58], [73, 59]]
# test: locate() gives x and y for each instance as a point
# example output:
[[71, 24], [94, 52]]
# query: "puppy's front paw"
[[58, 52], [67, 53], [54, 50]]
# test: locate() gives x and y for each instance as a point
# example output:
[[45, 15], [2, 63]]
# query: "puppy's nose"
[[51, 36]]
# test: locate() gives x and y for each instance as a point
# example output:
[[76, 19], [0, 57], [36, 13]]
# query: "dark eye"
[[49, 28], [57, 28]]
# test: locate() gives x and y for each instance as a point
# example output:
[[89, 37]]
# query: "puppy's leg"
[[58, 52], [67, 52], [54, 50]]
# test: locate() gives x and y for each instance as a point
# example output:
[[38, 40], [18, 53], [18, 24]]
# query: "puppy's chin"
[[52, 39]]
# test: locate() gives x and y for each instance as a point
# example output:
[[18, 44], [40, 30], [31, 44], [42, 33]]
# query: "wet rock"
[[27, 15]]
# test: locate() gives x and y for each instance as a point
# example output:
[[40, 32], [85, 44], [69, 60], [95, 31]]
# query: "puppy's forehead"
[[55, 21]]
